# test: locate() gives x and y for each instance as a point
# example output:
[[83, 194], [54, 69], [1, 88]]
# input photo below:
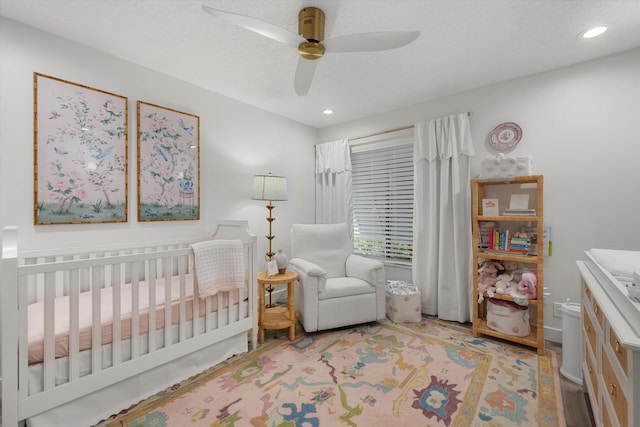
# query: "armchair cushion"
[[326, 245], [339, 287]]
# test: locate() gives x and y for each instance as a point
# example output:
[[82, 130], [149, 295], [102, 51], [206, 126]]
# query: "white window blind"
[[382, 191]]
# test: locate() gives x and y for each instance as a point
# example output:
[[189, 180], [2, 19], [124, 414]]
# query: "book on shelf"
[[507, 243], [519, 201], [490, 207], [484, 228], [500, 252], [519, 212]]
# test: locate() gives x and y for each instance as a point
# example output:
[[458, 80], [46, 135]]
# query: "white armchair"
[[335, 288]]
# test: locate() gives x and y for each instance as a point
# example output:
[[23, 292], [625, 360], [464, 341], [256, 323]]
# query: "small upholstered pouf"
[[402, 302]]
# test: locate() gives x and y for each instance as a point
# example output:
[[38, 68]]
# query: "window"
[[382, 191]]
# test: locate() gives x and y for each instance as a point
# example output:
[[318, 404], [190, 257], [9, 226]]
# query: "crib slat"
[[96, 323], [208, 316], [241, 310], [32, 286], [195, 302], [167, 272], [23, 361], [85, 279], [116, 282], [64, 280], [224, 316], [151, 278], [49, 331], [183, 303], [74, 322], [135, 311]]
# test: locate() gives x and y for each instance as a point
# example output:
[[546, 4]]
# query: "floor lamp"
[[270, 188]]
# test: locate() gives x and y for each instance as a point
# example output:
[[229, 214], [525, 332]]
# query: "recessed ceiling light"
[[327, 112], [594, 32]]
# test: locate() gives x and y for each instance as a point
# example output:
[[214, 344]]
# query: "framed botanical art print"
[[168, 164], [80, 161]]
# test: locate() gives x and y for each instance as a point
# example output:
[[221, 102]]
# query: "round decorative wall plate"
[[505, 136]]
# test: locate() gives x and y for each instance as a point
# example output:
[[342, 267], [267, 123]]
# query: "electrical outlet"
[[557, 309]]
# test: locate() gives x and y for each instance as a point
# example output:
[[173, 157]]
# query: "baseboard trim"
[[553, 334]]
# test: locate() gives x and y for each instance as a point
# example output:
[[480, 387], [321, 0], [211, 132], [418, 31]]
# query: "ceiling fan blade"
[[369, 42], [304, 76], [263, 28]]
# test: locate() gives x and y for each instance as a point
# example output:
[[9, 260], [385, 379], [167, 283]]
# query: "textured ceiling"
[[464, 44]]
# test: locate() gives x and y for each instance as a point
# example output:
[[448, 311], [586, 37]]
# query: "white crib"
[[58, 306]]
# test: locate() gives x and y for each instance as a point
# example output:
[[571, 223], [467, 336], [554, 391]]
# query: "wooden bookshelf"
[[480, 188]]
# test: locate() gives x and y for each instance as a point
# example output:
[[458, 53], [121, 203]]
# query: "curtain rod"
[[355, 138]]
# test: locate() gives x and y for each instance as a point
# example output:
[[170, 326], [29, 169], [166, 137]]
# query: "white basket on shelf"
[[503, 167]]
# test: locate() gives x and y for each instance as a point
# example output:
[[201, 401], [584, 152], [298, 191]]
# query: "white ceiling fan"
[[310, 40]]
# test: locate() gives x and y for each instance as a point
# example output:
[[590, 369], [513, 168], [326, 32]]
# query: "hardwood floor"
[[577, 408]]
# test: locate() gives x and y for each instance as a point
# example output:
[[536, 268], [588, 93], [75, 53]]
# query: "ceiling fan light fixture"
[[311, 50]]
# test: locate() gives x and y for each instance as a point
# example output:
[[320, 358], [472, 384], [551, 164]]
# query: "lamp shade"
[[269, 187]]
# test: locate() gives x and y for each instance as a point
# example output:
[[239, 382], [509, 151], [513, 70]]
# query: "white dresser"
[[611, 353]]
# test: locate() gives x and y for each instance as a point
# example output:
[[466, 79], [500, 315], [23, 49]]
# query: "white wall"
[[237, 141], [581, 125]]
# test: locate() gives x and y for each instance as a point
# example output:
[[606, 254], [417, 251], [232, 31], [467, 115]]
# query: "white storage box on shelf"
[[402, 302], [502, 167]]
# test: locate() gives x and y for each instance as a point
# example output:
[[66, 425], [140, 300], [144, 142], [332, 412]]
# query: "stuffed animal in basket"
[[487, 277], [528, 285]]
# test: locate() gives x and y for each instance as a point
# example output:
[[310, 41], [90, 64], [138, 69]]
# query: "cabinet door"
[[621, 353], [589, 329], [613, 391], [590, 363]]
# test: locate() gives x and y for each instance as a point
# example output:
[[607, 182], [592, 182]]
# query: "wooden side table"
[[276, 317]]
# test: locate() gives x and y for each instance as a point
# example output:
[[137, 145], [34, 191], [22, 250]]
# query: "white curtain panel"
[[333, 183], [442, 217]]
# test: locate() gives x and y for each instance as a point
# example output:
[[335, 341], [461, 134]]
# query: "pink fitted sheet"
[[61, 304]]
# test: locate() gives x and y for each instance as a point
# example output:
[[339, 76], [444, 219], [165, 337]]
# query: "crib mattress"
[[36, 320], [614, 271]]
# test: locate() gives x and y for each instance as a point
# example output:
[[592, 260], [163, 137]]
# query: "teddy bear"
[[504, 282], [528, 285], [487, 277], [514, 268]]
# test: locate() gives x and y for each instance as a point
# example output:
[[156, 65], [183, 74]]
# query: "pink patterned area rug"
[[380, 374]]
